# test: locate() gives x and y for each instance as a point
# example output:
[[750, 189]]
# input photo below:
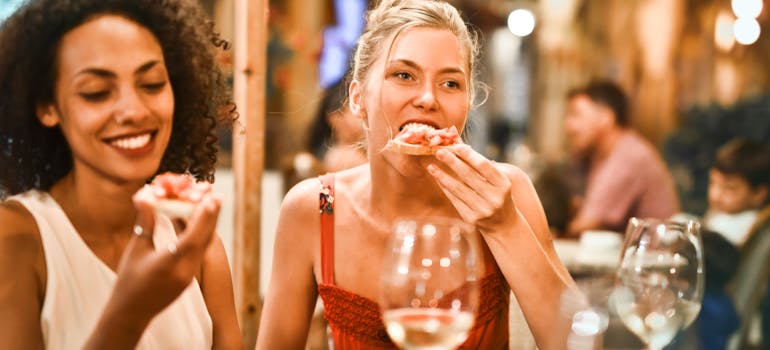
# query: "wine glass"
[[659, 283], [430, 279]]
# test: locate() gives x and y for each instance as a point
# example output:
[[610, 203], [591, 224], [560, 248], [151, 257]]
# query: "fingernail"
[[431, 168]]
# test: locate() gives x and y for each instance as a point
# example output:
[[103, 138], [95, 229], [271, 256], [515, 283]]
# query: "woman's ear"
[[355, 93], [47, 114]]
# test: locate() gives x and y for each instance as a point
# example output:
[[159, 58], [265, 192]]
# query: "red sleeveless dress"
[[356, 322]]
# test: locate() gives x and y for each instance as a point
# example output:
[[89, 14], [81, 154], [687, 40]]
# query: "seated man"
[[625, 175]]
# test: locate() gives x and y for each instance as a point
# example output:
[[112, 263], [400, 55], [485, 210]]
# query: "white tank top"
[[79, 285]]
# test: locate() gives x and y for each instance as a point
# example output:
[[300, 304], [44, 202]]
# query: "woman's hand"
[[479, 191], [483, 194], [149, 279]]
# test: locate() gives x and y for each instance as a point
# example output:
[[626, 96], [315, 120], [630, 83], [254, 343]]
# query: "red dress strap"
[[326, 206]]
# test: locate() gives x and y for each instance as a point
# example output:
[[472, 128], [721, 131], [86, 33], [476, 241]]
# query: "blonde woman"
[[414, 63]]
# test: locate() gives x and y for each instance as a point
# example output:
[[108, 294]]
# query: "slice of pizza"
[[176, 195], [421, 139]]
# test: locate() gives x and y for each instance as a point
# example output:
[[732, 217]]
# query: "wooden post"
[[249, 66]]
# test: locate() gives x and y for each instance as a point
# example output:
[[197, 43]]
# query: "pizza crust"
[[175, 208], [408, 148]]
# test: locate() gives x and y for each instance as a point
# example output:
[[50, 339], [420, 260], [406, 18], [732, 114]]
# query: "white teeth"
[[416, 125], [132, 142]]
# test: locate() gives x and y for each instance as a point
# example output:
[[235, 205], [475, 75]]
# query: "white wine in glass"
[[429, 293], [659, 284]]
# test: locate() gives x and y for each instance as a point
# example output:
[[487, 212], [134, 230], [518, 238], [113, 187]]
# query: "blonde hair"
[[391, 17]]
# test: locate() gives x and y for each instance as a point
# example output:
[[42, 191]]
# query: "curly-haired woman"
[[98, 96]]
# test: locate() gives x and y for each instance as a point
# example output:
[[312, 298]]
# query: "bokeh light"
[[746, 30], [747, 8], [521, 22]]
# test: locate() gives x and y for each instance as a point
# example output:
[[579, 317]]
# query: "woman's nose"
[[129, 108], [426, 98]]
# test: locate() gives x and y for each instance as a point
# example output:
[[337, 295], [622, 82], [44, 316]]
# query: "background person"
[[739, 200], [624, 174], [336, 135], [98, 96], [739, 189]]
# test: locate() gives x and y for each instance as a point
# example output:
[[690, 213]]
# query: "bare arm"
[[500, 201], [217, 286], [21, 283], [292, 291]]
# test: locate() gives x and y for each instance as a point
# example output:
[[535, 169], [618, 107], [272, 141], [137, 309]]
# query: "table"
[[592, 264], [582, 259]]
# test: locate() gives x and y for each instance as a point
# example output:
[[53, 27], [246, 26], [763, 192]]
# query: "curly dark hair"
[[34, 156]]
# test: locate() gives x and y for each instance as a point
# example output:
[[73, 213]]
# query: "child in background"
[[738, 194], [739, 182]]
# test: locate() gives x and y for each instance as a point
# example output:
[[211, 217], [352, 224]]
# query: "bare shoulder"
[[19, 230], [302, 199], [514, 173], [21, 247], [299, 219]]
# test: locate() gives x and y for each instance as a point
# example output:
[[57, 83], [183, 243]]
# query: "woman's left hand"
[[479, 191]]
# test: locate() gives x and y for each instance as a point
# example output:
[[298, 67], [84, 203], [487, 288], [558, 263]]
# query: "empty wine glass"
[[430, 277], [659, 284]]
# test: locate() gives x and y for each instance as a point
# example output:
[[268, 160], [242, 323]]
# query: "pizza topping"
[[426, 135], [181, 187]]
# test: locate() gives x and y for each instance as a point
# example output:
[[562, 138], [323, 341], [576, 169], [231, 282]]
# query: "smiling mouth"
[[131, 142]]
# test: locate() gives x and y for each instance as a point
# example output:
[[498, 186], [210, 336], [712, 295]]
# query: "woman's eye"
[[154, 87], [403, 75], [452, 84], [95, 96]]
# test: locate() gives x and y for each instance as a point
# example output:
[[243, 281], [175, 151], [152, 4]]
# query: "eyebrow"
[[109, 74], [414, 65]]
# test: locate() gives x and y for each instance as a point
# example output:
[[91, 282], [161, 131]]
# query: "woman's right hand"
[[149, 279]]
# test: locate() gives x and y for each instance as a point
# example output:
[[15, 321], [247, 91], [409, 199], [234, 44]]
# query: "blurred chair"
[[750, 282]]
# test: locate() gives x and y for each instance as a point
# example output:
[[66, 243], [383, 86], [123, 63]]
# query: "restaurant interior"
[[696, 73]]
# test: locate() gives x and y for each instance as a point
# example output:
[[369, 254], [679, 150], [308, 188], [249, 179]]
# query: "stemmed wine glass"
[[659, 284], [430, 278]]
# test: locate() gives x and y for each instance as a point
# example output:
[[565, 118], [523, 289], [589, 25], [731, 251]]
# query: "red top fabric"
[[356, 322]]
